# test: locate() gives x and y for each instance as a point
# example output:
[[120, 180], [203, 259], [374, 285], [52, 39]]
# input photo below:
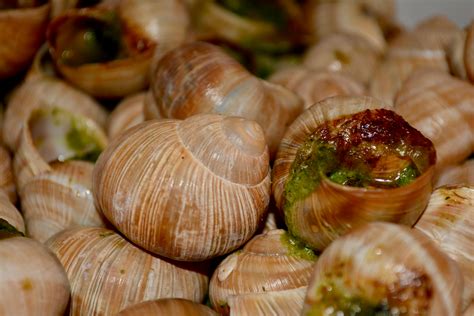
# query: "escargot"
[[201, 78], [187, 190], [346, 161], [384, 269], [168, 306], [108, 273], [268, 276]]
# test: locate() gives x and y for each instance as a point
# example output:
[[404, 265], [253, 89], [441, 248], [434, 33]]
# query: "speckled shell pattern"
[[10, 213], [187, 190], [370, 267], [33, 280], [129, 112], [201, 78], [458, 174], [449, 222], [314, 86], [22, 34], [170, 306], [60, 199], [442, 108], [333, 209], [107, 273], [7, 181], [264, 267], [349, 54]]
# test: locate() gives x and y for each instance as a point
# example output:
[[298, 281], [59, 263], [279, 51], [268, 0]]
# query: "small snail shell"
[[7, 183], [41, 90], [469, 52], [129, 112], [329, 17], [33, 280], [150, 109], [269, 263], [313, 86], [9, 213], [318, 209], [458, 174], [53, 134], [441, 107], [60, 199], [449, 222], [22, 34], [107, 273], [168, 306], [399, 270], [346, 53], [201, 78], [187, 190]]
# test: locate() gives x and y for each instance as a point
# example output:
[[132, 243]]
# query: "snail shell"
[[469, 311], [455, 54], [399, 270], [469, 52], [33, 280], [347, 53], [9, 213], [268, 264], [129, 112], [53, 134], [449, 222], [168, 306], [441, 107], [313, 86], [331, 209], [201, 78], [60, 199], [187, 190], [22, 34], [459, 174], [42, 90], [107, 273], [7, 183]]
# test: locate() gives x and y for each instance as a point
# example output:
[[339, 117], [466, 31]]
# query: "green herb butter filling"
[[8, 230], [297, 248]]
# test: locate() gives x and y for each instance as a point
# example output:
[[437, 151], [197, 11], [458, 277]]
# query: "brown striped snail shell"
[[457, 174], [9, 213], [469, 52], [7, 181], [23, 30], [107, 273], [129, 112], [187, 190], [268, 264], [449, 221], [318, 186], [346, 53], [33, 280], [168, 306], [54, 134], [399, 272], [201, 78], [441, 107], [313, 86], [60, 199], [39, 90]]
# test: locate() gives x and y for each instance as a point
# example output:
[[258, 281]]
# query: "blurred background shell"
[[7, 181], [457, 174], [401, 269], [129, 112], [187, 190], [107, 273], [168, 306]]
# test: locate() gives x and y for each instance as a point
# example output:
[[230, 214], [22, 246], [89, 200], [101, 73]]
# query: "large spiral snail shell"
[[107, 273], [168, 306], [188, 190], [267, 265], [201, 78], [330, 209], [388, 269]]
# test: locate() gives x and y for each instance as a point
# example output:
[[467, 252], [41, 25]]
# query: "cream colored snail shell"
[[187, 190], [269, 265], [449, 221], [108, 273], [129, 112], [168, 306], [458, 174], [33, 280], [318, 209], [383, 267]]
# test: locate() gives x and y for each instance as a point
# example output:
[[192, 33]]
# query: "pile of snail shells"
[[145, 171]]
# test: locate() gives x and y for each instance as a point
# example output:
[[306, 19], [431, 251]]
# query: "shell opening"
[[59, 135]]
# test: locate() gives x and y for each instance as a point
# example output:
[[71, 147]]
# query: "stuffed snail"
[[350, 160]]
